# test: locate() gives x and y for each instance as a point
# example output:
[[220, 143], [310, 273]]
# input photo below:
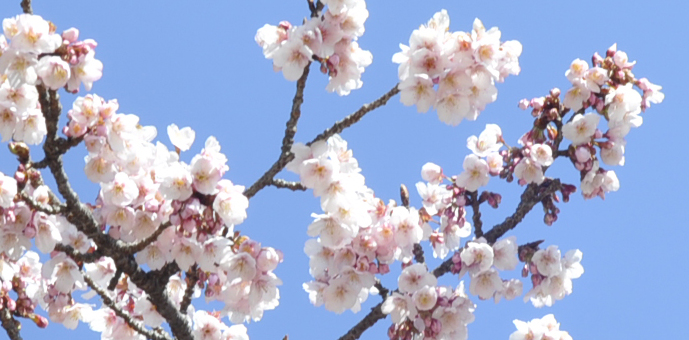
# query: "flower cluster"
[[546, 328], [551, 274], [421, 309], [465, 66], [357, 236], [607, 89], [329, 39], [482, 261], [36, 55]]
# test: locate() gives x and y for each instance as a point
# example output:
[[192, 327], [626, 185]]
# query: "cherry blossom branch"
[[338, 127], [50, 210], [357, 115], [476, 216], [367, 322], [9, 323], [26, 6], [153, 283], [135, 247], [133, 324], [283, 184], [287, 140], [315, 7], [533, 195], [192, 279], [77, 256]]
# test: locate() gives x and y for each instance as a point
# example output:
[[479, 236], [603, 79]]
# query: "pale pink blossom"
[[8, 189], [485, 284], [581, 128], [548, 261], [505, 253], [477, 257], [487, 142], [181, 138], [425, 298], [541, 154], [415, 277], [475, 173], [53, 71]]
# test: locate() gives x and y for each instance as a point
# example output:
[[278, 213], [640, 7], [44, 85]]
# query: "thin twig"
[[77, 256], [367, 322], [294, 186], [135, 247], [532, 195], [287, 141], [356, 116], [418, 253], [131, 322], [338, 127], [476, 216], [37, 206], [192, 279], [26, 6]]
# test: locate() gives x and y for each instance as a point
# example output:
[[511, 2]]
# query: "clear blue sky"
[[196, 64]]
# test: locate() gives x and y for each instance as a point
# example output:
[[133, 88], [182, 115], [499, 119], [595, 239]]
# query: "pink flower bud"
[[267, 259], [71, 35], [524, 104]]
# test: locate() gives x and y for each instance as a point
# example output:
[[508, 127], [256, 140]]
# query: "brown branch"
[[131, 322], [9, 323], [338, 127], [77, 256], [26, 6], [418, 253], [476, 216], [50, 210], [315, 7], [135, 247], [533, 194], [356, 116], [153, 283], [367, 322], [294, 186], [287, 141], [192, 279]]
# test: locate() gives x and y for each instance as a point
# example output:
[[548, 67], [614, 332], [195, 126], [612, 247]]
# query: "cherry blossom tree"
[[162, 232]]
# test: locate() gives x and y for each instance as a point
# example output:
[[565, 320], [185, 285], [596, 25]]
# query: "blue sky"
[[196, 64]]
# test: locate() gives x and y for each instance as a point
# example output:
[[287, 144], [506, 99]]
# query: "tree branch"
[[135, 247], [338, 127], [131, 322], [9, 323], [476, 216], [367, 322], [192, 279], [356, 116], [153, 283], [287, 141], [26, 6], [294, 186], [532, 195]]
